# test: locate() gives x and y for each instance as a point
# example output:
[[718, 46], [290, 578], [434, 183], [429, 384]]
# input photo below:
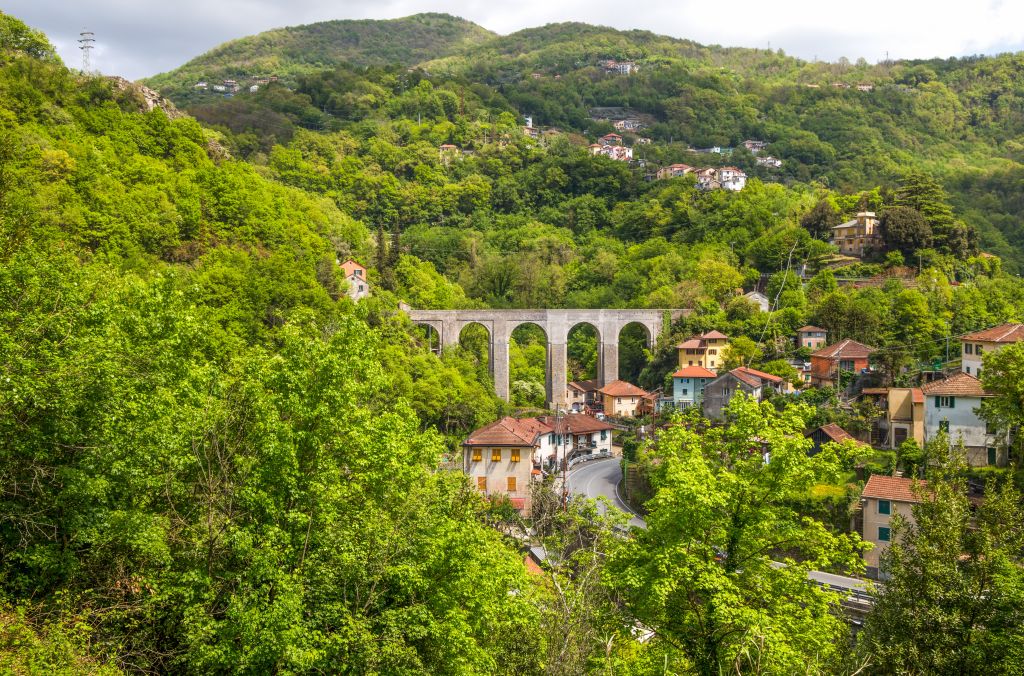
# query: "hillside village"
[[404, 347]]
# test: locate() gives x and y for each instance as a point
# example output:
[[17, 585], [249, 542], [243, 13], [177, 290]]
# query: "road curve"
[[601, 478]]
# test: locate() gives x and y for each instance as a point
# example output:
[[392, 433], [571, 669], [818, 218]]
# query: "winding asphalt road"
[[602, 478]]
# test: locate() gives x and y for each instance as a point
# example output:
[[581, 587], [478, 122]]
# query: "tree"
[[952, 603], [741, 351], [1002, 374], [905, 230], [820, 220], [922, 193], [702, 575]]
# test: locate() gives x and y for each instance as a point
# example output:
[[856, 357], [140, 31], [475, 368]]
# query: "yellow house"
[[621, 399], [882, 498], [859, 236], [704, 350]]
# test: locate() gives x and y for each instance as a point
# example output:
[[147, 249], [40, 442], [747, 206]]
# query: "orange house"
[[828, 362]]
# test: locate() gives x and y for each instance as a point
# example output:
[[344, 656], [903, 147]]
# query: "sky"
[[138, 38]]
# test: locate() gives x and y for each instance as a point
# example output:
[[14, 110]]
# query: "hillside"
[[288, 52], [848, 126]]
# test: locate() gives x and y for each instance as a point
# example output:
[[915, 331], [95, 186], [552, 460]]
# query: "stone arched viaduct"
[[556, 325]]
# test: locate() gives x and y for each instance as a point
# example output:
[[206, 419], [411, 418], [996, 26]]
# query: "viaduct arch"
[[556, 325]]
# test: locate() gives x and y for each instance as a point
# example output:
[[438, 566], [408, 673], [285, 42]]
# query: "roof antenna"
[[86, 40]]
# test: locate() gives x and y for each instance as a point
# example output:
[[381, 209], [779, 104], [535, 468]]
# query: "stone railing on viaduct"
[[556, 325]]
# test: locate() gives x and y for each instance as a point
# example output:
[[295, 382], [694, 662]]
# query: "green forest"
[[212, 460]]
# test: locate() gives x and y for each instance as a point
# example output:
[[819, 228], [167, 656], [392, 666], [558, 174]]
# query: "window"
[[883, 534], [604, 435], [481, 483], [510, 484], [477, 454], [977, 350], [991, 455], [978, 374], [495, 455], [685, 391], [968, 348], [967, 370], [945, 402], [846, 364], [944, 426], [632, 400], [712, 351], [514, 455], [884, 507]]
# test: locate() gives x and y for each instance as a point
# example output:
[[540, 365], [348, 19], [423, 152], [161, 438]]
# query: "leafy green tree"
[[951, 603], [721, 514], [742, 351], [820, 220], [905, 230]]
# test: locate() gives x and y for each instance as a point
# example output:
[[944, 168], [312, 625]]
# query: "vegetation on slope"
[[289, 52]]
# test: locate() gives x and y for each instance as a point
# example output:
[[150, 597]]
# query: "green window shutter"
[[938, 402], [952, 402]]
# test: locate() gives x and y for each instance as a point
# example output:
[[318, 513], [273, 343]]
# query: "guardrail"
[[590, 456]]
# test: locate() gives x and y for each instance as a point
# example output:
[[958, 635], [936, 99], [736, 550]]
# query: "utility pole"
[[86, 42]]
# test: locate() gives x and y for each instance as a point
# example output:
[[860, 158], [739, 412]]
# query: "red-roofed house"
[[704, 350], [622, 398], [952, 406], [720, 391], [688, 385], [974, 345], [732, 178], [355, 275], [499, 458], [846, 355], [581, 394], [812, 337], [883, 497]]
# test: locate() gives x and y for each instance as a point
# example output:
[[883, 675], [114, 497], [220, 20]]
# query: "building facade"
[[622, 399], [355, 276], [974, 345], [811, 337], [952, 406], [882, 498], [845, 356], [688, 385], [859, 236], [704, 350], [499, 458]]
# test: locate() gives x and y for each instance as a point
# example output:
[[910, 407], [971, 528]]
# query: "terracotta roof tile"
[[760, 374], [691, 344], [835, 432], [585, 385], [620, 388], [805, 329], [847, 348], [892, 488], [1004, 333], [957, 385], [713, 334], [508, 432], [746, 378], [694, 372]]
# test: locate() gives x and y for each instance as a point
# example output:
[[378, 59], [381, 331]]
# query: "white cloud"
[[142, 37]]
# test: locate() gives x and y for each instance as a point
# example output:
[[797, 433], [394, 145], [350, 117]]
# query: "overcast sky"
[[137, 38]]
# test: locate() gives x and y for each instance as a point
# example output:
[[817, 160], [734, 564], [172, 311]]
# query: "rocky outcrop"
[[148, 98]]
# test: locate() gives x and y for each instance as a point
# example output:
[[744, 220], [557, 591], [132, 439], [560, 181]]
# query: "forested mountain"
[[291, 51], [958, 120]]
